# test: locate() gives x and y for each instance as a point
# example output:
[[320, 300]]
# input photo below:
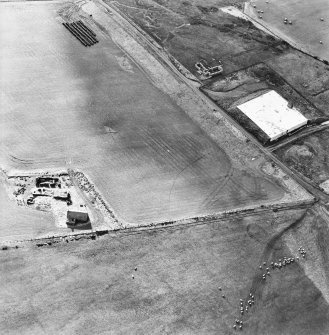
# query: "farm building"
[[50, 182], [77, 216], [273, 115]]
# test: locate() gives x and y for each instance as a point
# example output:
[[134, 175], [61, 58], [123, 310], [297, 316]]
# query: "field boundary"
[[195, 221]]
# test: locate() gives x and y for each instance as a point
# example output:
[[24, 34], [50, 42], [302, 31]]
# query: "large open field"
[[21, 223], [307, 75], [195, 30], [92, 108], [306, 31], [119, 116], [87, 287]]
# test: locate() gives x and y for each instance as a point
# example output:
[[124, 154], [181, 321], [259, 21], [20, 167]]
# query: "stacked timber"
[[83, 33]]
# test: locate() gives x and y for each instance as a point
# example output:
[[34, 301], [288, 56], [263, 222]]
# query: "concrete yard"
[[65, 105]]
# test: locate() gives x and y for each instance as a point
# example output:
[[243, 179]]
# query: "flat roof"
[[271, 113]]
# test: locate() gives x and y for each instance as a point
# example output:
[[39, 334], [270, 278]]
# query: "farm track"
[[221, 183], [299, 135], [174, 226], [96, 213], [256, 285]]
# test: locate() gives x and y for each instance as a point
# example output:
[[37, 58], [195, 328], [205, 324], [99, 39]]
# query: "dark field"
[[306, 31], [309, 156], [91, 108], [307, 75], [87, 287], [195, 30], [192, 30]]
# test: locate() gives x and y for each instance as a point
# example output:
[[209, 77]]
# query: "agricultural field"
[[20, 222], [309, 22], [186, 280], [65, 105], [193, 228]]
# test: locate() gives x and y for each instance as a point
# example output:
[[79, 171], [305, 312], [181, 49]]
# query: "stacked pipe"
[[84, 34]]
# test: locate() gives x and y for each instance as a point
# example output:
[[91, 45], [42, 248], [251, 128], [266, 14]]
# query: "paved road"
[[301, 134]]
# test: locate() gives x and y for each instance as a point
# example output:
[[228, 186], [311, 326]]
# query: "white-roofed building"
[[271, 113]]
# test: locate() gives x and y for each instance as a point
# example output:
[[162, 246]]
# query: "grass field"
[[307, 30], [92, 108], [88, 286], [195, 30], [191, 30], [309, 156], [305, 74]]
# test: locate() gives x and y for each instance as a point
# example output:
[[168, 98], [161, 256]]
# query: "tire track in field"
[[248, 190], [160, 149], [186, 167], [19, 160], [256, 285], [36, 162], [221, 183], [186, 159], [255, 190], [171, 156], [251, 188], [181, 154]]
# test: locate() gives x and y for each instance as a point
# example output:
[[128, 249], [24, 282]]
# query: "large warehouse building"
[[271, 113]]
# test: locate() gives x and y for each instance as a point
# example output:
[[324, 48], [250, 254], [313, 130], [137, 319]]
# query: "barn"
[[77, 216], [273, 115]]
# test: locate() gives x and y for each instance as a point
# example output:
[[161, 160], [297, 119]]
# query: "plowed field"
[[63, 104]]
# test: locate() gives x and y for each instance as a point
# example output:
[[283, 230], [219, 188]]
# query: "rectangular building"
[[270, 112]]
